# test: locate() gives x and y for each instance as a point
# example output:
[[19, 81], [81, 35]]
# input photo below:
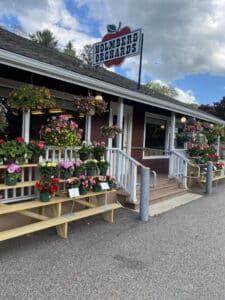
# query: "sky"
[[184, 41]]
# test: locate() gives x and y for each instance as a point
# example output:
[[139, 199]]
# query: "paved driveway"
[[177, 255]]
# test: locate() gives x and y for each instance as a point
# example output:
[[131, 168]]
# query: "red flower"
[[20, 139], [1, 141]]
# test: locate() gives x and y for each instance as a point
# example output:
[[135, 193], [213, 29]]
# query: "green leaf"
[[111, 28]]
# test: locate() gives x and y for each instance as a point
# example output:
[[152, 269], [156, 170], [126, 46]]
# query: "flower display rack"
[[57, 219]]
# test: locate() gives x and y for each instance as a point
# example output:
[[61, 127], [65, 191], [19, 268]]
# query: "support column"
[[120, 122], [172, 138], [26, 125], [88, 128]]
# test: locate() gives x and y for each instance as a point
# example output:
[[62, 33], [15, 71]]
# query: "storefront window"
[[155, 133]]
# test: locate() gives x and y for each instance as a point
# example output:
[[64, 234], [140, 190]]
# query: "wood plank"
[[22, 166], [18, 185], [84, 203], [33, 215], [92, 211], [10, 208], [16, 232], [55, 222]]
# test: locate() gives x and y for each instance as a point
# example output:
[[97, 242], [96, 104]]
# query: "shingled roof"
[[17, 44]]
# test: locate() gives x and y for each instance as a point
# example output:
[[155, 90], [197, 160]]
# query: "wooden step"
[[53, 222]]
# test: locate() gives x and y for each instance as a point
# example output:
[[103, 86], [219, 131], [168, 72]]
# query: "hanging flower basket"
[[110, 131], [30, 97], [90, 105]]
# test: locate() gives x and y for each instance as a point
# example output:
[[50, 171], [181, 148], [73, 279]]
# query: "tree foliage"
[[161, 88], [86, 54], [45, 38], [217, 109], [69, 49]]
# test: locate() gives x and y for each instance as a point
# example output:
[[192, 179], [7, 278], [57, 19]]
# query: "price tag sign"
[[104, 186], [74, 192]]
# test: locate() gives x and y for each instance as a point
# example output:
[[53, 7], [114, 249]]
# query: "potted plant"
[[78, 168], [103, 166], [72, 182], [111, 181], [37, 149], [66, 169], [12, 173], [48, 170], [47, 188], [98, 180], [14, 151], [30, 97], [110, 131], [98, 150], [91, 166], [84, 105], [84, 185], [61, 132], [85, 151]]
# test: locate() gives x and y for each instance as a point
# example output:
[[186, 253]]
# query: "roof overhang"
[[35, 66]]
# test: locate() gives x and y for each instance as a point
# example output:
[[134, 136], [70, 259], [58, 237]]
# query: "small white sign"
[[104, 186], [73, 193]]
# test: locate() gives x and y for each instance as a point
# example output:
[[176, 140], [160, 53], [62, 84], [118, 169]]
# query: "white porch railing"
[[125, 169], [178, 167]]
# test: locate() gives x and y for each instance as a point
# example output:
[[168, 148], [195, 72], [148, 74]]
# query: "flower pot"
[[91, 172], [77, 173], [82, 191], [84, 156], [103, 171], [45, 196], [10, 180], [65, 174], [96, 188]]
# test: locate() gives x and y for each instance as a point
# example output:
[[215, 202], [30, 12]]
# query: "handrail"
[[189, 163], [125, 169], [179, 168], [154, 178]]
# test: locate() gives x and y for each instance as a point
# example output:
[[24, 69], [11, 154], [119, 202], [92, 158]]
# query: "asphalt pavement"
[[179, 254]]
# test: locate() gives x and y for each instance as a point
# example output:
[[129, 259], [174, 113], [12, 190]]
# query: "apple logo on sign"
[[114, 32]]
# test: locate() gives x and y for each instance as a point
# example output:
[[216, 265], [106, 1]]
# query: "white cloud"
[[185, 96]]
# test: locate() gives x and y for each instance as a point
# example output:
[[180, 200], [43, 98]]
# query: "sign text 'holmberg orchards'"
[[116, 45]]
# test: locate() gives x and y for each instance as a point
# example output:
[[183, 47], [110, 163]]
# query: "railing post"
[[145, 183], [209, 175]]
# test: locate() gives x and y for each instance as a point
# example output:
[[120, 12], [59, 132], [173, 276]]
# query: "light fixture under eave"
[[162, 126], [98, 98], [55, 110], [69, 116], [37, 112], [183, 120]]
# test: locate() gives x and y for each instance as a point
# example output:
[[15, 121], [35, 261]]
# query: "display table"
[[56, 218]]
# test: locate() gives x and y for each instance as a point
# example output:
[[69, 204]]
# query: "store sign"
[[117, 45]]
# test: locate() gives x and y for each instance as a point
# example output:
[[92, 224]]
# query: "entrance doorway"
[[127, 125]]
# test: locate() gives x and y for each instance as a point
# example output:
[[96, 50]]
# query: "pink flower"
[[63, 117], [13, 168]]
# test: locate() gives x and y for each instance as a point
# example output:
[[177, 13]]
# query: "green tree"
[[69, 49], [45, 38], [86, 54], [161, 88]]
